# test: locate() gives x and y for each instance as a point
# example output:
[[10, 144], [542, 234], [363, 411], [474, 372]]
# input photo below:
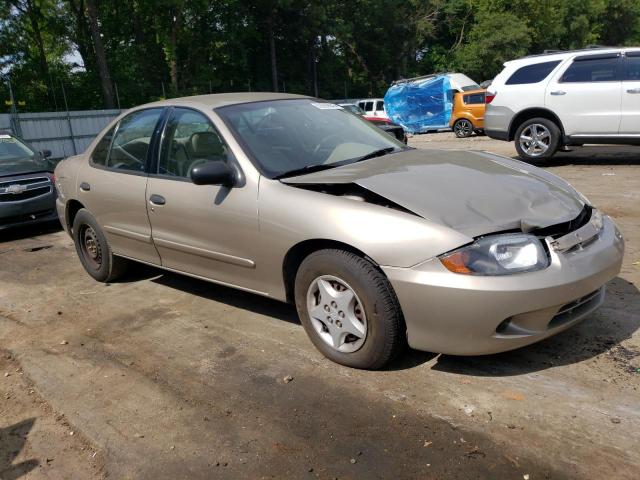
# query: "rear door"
[[379, 109], [630, 117], [113, 183], [586, 94]]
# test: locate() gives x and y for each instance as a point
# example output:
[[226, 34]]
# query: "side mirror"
[[46, 153], [214, 173]]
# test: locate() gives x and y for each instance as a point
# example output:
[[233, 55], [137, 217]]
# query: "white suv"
[[545, 102]]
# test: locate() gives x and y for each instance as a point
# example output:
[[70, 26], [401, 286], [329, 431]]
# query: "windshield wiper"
[[304, 170], [375, 153]]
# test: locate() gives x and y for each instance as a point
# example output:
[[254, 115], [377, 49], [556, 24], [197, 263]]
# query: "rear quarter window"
[[99, 154], [473, 98], [532, 73]]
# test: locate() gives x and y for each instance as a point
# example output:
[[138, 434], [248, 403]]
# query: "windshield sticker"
[[326, 106]]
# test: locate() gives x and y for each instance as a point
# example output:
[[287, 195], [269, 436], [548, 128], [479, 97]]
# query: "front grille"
[[24, 189], [578, 307]]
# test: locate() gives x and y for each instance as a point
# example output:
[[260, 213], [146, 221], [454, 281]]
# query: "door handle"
[[633, 90], [85, 187], [558, 92], [157, 199]]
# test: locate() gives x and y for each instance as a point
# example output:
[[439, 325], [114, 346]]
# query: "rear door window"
[[596, 68], [130, 146], [632, 66], [379, 105], [368, 107], [532, 73]]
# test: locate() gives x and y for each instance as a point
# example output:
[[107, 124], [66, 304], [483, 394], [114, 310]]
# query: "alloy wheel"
[[463, 128], [535, 140]]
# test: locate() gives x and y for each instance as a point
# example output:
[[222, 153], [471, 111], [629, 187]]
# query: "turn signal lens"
[[456, 262]]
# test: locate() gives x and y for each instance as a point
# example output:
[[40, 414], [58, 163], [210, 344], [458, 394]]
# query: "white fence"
[[64, 133]]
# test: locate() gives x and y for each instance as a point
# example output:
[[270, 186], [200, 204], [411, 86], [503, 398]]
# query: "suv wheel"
[[537, 139], [463, 128], [348, 309]]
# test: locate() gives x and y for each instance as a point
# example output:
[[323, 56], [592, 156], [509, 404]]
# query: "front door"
[[630, 118], [113, 182], [206, 230], [586, 95]]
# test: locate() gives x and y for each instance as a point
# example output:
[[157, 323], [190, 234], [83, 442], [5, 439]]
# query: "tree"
[[101, 58]]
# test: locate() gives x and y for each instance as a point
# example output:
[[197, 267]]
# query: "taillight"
[[488, 97]]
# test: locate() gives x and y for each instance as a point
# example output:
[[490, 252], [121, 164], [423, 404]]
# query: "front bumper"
[[459, 314], [40, 208]]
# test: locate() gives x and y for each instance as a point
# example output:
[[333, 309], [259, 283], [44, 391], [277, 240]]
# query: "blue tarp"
[[420, 105]]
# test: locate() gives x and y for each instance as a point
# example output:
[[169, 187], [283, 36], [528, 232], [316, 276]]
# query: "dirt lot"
[[162, 376]]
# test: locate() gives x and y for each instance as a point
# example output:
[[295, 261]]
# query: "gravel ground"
[[162, 376]]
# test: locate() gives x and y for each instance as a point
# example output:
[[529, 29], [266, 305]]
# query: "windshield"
[[16, 157], [353, 109], [290, 136]]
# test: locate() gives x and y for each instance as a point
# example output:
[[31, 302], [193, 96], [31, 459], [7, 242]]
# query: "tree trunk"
[[82, 36], [173, 60], [272, 55], [101, 58], [34, 16]]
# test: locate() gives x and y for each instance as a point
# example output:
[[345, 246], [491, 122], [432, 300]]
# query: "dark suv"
[[27, 192]]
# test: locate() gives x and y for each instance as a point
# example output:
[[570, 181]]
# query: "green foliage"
[[345, 48]]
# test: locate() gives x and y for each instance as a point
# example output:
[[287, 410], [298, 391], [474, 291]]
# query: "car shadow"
[[227, 295], [12, 440], [29, 231], [609, 155], [601, 332]]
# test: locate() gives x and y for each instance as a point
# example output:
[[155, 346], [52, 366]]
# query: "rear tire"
[[94, 250], [463, 128], [537, 139], [380, 334]]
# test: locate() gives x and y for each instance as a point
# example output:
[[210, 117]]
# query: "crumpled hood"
[[472, 192]]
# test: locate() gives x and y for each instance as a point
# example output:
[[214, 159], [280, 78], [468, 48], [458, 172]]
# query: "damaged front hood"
[[472, 192]]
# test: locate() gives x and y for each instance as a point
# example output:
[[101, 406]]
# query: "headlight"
[[498, 255]]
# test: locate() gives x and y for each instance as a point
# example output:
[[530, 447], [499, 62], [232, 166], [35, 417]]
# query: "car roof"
[[561, 55], [216, 100]]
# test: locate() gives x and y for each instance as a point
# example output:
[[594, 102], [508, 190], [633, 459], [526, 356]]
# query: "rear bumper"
[[497, 121], [472, 315]]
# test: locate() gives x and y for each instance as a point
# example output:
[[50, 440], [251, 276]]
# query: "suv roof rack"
[[552, 51]]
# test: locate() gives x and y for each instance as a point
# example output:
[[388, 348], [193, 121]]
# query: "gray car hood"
[[472, 192]]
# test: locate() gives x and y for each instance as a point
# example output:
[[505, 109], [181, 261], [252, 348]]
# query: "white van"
[[373, 107]]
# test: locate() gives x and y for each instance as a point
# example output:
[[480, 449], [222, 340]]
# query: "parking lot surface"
[[163, 376]]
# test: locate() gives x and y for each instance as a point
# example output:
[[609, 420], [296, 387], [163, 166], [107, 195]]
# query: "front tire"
[[463, 128], [537, 139], [349, 309], [94, 250]]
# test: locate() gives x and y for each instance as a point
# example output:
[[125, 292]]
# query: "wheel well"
[[296, 255], [533, 113], [73, 206]]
